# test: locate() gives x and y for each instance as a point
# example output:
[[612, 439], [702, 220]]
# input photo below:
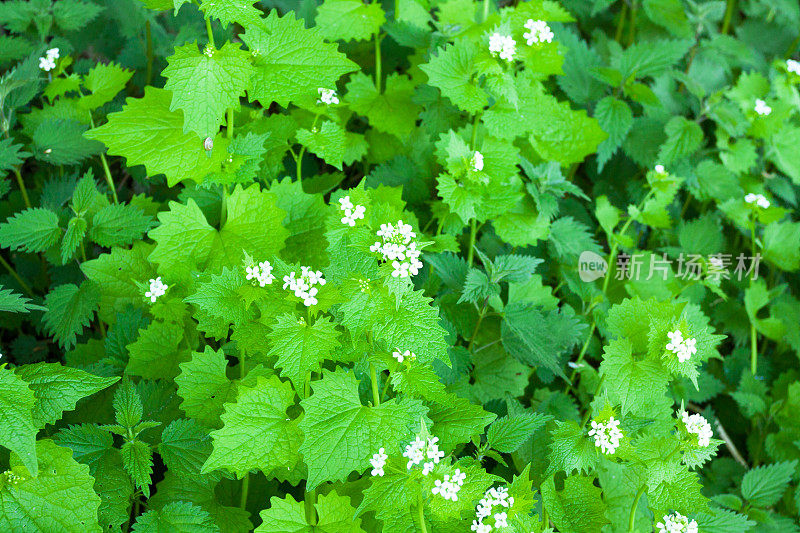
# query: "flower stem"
[[210, 33], [485, 10], [421, 514], [229, 132], [309, 502], [106, 169], [22, 188], [726, 23], [373, 377], [378, 61], [621, 22], [632, 28], [473, 233], [753, 333], [16, 276], [245, 487], [632, 516]]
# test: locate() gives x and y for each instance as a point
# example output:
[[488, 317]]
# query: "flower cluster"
[[793, 66], [476, 162], [503, 45], [397, 247], [660, 170], [606, 436], [676, 523], [303, 286], [157, 289], [683, 348], [327, 96], [402, 356], [538, 32], [492, 498], [378, 461], [351, 212], [260, 273], [48, 62], [699, 426], [12, 478], [448, 487], [762, 108], [419, 450], [759, 199]]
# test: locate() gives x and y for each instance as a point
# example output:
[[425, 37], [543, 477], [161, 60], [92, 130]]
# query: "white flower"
[[539, 32], [46, 64], [260, 273], [491, 498], [759, 199], [762, 108], [479, 527], [157, 289], [660, 169], [476, 161], [503, 45], [303, 287], [448, 487], [378, 461], [793, 66], [606, 436], [396, 245], [683, 348], [419, 449], [676, 523], [53, 53], [402, 356], [351, 212], [699, 426], [327, 96], [500, 520], [427, 468]]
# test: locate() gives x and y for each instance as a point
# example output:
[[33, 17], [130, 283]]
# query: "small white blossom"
[[759, 199], [476, 161], [699, 426], [762, 108], [418, 450], [396, 245], [479, 527], [427, 468], [48, 61], [660, 169], [683, 348], [500, 520], [402, 356], [351, 212], [448, 487], [676, 523], [503, 46], [606, 436], [260, 273], [538, 32], [378, 461], [493, 497], [157, 289], [793, 66], [327, 96], [303, 286]]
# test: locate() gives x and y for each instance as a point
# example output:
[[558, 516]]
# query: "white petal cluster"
[[502, 45], [758, 199], [351, 212], [303, 286], [12, 478], [396, 245], [538, 32], [606, 436], [676, 523], [260, 273], [683, 348], [402, 356], [762, 108], [419, 450], [157, 289], [378, 461], [493, 497], [660, 169], [448, 487], [793, 66], [48, 61], [699, 426], [327, 96], [476, 162]]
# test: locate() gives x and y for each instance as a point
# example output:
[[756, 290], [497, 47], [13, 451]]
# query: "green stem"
[[421, 514], [378, 61], [299, 159], [18, 279], [475, 123], [106, 169], [210, 33], [308, 503], [149, 52], [726, 23], [22, 188], [373, 378], [621, 22], [473, 233], [632, 516], [223, 210], [632, 28], [596, 392], [545, 517], [229, 132], [481, 314], [245, 488], [753, 333], [485, 10]]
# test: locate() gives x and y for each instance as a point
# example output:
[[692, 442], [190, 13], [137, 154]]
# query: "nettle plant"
[[325, 271]]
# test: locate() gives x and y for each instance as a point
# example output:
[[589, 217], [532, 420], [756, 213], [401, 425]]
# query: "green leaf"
[[70, 15], [157, 351], [781, 245], [11, 155], [18, 430], [287, 515], [456, 420], [60, 498], [453, 71], [391, 111], [231, 11], [651, 58], [58, 388], [76, 231], [205, 84], [669, 14], [176, 517], [69, 310], [683, 139], [571, 449], [256, 432], [636, 384], [349, 20], [576, 509], [11, 302], [300, 347], [204, 386], [128, 409], [185, 445], [33, 230], [59, 141], [341, 434], [146, 132], [103, 82], [507, 434], [781, 150], [292, 62], [328, 142], [764, 486], [119, 225], [616, 119], [138, 461]]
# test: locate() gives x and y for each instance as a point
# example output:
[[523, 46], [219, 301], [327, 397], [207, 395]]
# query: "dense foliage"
[[399, 266]]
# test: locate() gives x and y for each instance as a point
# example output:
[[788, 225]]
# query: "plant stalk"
[[473, 233], [632, 516], [373, 378], [25, 286], [726, 23], [421, 514], [378, 62]]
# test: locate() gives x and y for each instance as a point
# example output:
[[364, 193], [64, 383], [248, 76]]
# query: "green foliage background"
[[187, 141]]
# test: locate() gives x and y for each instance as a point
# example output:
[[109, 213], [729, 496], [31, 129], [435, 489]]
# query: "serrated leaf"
[[204, 386], [287, 515], [616, 119], [300, 347], [18, 430], [764, 486], [11, 302], [452, 70], [231, 11], [103, 82], [349, 20], [185, 445], [33, 230], [507, 434], [176, 517], [138, 461], [69, 310], [11, 154], [118, 225], [391, 111], [157, 351], [76, 231], [576, 509], [60, 141]]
